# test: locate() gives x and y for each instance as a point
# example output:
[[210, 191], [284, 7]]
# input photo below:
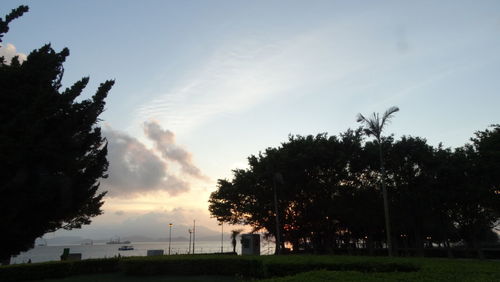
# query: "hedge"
[[194, 265], [59, 269], [255, 267], [248, 266], [274, 269]]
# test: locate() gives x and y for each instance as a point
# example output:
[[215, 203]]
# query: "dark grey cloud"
[[134, 169], [164, 142]]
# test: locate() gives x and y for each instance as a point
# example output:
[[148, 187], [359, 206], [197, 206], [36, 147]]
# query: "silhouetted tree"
[[477, 180], [317, 171], [331, 196], [410, 168], [51, 149], [443, 194], [374, 127]]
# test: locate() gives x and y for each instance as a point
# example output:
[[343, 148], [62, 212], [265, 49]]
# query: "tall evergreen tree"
[[52, 154]]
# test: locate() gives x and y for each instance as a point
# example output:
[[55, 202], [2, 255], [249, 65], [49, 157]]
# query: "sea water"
[[102, 250]]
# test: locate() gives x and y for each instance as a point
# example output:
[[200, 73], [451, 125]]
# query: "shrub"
[[35, 271], [59, 269], [91, 266], [193, 265], [288, 268], [254, 267]]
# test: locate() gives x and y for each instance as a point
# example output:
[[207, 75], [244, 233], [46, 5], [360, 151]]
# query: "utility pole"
[[277, 178], [189, 245], [222, 238], [194, 232], [169, 237]]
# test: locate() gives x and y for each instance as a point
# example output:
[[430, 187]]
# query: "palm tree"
[[234, 234], [373, 126]]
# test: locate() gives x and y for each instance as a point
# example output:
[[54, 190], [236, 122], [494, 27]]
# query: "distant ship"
[[117, 241], [126, 248]]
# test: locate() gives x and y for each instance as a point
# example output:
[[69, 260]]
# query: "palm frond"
[[388, 114], [374, 124], [370, 124], [369, 132], [361, 118]]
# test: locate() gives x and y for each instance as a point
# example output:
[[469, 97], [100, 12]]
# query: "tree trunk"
[[448, 248], [370, 245], [5, 261], [419, 238], [386, 201], [477, 247], [276, 215], [444, 234], [419, 243]]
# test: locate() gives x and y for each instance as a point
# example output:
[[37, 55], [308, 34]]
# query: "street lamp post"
[[277, 178], [189, 246], [222, 238], [194, 232], [169, 237]]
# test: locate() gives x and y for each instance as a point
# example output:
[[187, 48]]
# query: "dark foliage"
[[38, 271], [52, 152], [330, 198], [249, 267], [14, 14], [194, 265]]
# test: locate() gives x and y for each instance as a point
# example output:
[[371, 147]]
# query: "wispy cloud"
[[378, 61], [240, 76]]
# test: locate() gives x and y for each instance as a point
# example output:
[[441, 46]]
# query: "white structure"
[[250, 244]]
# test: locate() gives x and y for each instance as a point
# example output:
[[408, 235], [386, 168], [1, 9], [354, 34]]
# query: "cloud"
[[164, 142], [134, 169], [9, 51], [365, 54], [153, 224], [234, 79], [245, 73], [120, 212]]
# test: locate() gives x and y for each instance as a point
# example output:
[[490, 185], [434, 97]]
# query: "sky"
[[202, 85]]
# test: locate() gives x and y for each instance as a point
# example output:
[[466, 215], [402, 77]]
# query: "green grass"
[[431, 269], [293, 268], [115, 277]]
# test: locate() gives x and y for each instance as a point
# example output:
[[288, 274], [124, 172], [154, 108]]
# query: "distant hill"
[[99, 236], [61, 240]]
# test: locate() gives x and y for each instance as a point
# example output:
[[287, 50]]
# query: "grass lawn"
[[112, 277], [303, 268], [431, 269]]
